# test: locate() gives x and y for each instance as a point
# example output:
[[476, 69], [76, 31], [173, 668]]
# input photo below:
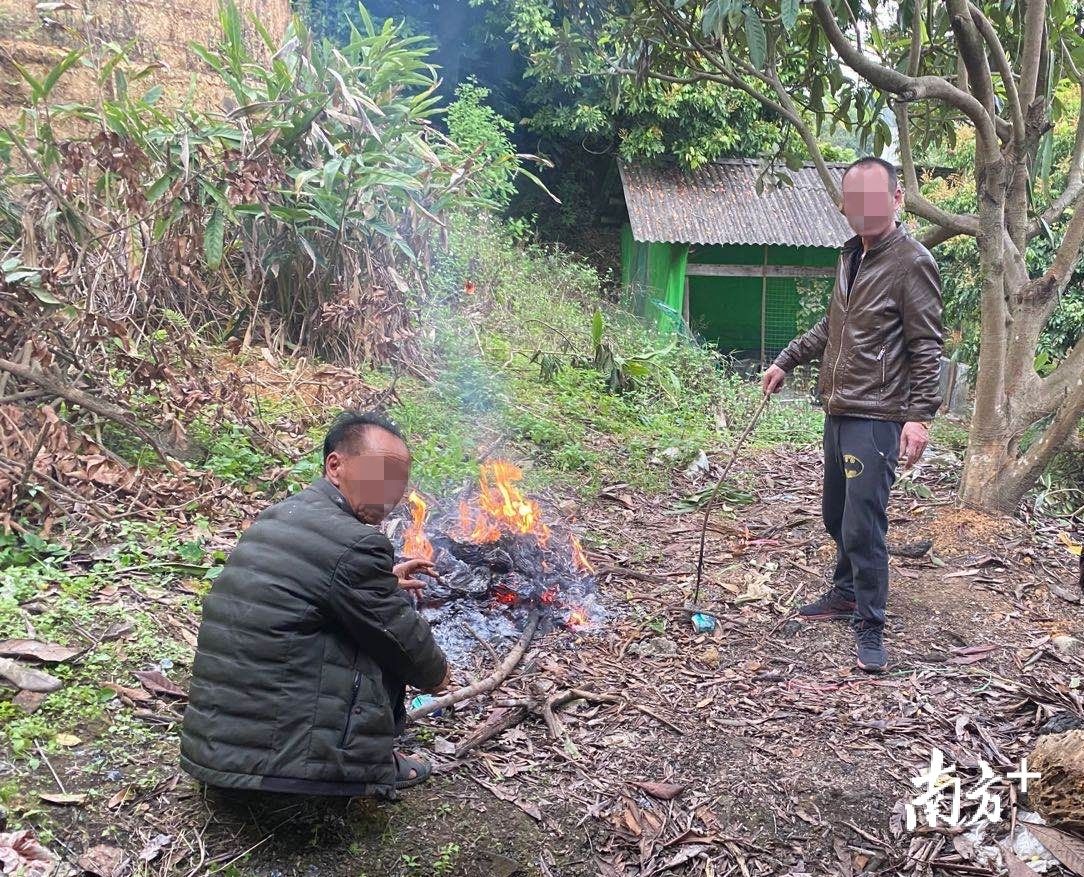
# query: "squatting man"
[[309, 637]]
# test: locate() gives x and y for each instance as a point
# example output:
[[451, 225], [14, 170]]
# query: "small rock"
[[710, 656], [28, 701], [698, 467], [1058, 794], [1068, 645]]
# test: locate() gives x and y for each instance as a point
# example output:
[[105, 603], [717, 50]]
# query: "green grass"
[[76, 608]]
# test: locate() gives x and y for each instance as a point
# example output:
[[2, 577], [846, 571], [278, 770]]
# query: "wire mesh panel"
[[785, 299]]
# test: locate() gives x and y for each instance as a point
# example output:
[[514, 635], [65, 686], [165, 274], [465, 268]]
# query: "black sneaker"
[[833, 604], [869, 641]]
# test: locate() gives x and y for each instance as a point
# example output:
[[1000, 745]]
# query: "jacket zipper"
[[881, 357], [842, 330], [350, 708]]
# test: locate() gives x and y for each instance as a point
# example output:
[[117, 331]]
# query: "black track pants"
[[860, 457]]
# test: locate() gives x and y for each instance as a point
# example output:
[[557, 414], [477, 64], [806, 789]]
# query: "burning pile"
[[497, 559]]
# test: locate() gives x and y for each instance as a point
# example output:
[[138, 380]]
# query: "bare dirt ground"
[[757, 748]]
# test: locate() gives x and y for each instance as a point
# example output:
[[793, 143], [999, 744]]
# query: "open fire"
[[497, 559]]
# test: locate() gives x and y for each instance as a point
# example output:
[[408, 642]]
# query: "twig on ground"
[[486, 685]]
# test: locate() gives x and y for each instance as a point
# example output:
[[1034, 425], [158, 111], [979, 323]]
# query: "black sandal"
[[404, 765]]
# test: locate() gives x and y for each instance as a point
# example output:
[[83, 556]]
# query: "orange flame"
[[502, 501], [578, 617], [415, 544], [580, 559], [478, 529]]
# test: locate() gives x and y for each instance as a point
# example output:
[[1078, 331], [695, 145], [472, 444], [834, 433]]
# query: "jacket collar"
[[326, 488], [855, 243]]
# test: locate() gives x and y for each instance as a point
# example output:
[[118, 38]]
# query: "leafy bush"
[[311, 202], [480, 131]]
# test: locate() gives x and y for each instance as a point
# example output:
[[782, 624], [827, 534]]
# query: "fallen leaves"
[[47, 653], [20, 853], [103, 861], [135, 695], [154, 847], [63, 799], [1066, 848], [662, 791], [28, 678], [972, 654], [157, 683]]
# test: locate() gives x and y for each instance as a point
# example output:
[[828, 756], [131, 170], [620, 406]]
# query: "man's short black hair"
[[889, 168], [349, 428]]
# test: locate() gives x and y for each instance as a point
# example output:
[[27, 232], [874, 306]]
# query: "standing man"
[[880, 351]]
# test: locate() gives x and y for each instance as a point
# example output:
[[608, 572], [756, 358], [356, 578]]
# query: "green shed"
[[704, 250]]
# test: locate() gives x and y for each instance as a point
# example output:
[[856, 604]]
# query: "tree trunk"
[[989, 480]]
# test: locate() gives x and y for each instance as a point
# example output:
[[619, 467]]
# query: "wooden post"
[[685, 304], [764, 310]]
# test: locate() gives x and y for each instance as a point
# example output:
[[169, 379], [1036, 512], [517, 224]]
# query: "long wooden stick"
[[486, 685], [711, 499]]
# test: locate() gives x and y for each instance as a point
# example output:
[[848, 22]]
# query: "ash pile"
[[497, 560]]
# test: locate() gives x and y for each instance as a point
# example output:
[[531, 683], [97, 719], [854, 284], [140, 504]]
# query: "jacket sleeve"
[[805, 348], [920, 311], [365, 598]]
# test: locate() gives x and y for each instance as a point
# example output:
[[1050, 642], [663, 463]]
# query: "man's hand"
[[913, 441], [773, 380], [408, 568], [445, 683]]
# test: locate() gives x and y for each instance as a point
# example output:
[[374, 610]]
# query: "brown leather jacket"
[[880, 344]]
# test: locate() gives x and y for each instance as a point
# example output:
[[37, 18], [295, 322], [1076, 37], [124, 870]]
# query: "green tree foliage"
[[480, 131]]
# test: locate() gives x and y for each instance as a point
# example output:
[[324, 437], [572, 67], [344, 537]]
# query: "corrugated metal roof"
[[719, 204]]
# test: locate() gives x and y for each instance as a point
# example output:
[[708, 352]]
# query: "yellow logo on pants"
[[852, 466]]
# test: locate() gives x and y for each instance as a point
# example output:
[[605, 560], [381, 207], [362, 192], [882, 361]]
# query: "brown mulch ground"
[[756, 749]]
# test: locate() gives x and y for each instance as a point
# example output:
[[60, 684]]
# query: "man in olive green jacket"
[[880, 352], [308, 639]]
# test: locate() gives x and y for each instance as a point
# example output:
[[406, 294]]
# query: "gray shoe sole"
[[828, 616]]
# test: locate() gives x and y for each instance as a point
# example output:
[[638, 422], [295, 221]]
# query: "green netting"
[[653, 274], [731, 312]]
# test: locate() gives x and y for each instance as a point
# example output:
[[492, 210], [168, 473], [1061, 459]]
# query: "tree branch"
[[1031, 50], [1004, 69], [1068, 377], [784, 106], [57, 387], [911, 88], [1074, 183], [972, 51], [1067, 416], [935, 235], [916, 202], [1068, 251]]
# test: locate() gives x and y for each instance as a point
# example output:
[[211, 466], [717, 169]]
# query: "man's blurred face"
[[373, 477], [868, 203]]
